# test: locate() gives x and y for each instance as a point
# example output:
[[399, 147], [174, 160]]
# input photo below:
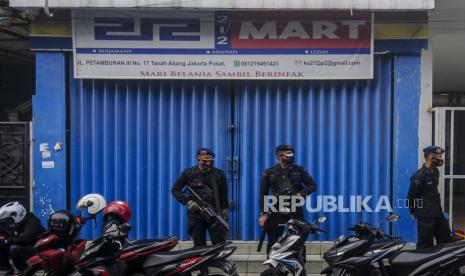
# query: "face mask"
[[206, 163], [437, 162], [287, 158]]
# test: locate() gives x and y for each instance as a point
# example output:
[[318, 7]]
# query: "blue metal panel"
[[406, 115], [341, 131], [49, 117], [401, 46], [131, 140]]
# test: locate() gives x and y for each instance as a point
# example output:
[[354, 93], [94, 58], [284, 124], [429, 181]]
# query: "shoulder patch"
[[264, 174]]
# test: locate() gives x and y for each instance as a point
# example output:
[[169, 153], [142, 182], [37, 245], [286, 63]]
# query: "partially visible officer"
[[26, 230], [425, 201], [210, 184], [284, 179]]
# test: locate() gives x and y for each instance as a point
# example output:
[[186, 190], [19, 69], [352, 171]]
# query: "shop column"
[[49, 134]]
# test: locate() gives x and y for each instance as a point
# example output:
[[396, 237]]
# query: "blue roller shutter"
[[341, 131], [131, 139]]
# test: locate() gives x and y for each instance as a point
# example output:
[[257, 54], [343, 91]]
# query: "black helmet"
[[63, 224], [205, 151], [284, 148]]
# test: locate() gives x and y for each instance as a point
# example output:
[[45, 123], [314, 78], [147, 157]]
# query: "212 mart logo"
[[148, 29]]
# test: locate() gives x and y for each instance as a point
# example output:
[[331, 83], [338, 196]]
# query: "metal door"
[[15, 171], [130, 140], [449, 125], [341, 130]]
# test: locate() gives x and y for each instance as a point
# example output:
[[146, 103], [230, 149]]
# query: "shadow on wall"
[[17, 84]]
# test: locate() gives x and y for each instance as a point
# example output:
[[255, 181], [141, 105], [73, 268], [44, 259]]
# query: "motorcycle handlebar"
[[303, 224], [320, 230], [376, 232], [389, 236]]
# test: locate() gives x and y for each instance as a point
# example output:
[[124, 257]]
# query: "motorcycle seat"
[[384, 243], [145, 243], [420, 256], [160, 258], [139, 246]]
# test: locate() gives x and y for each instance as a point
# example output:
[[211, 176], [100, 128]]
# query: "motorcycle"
[[184, 262], [59, 254], [442, 259], [107, 256], [286, 254], [114, 254], [367, 252], [363, 253], [56, 254]]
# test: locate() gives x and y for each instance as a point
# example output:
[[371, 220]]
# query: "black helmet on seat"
[[63, 224]]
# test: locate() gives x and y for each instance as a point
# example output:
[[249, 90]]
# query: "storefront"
[[343, 89]]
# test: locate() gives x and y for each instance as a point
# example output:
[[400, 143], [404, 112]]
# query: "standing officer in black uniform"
[[210, 184], [425, 201], [284, 179]]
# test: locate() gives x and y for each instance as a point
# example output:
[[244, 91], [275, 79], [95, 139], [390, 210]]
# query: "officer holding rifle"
[[206, 197]]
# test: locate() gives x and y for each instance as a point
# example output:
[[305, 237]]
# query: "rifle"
[[287, 191], [263, 234], [208, 212]]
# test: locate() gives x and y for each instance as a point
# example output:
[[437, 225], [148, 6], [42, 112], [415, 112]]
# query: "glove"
[[262, 219], [192, 205]]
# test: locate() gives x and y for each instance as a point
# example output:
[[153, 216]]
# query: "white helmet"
[[94, 203], [13, 210]]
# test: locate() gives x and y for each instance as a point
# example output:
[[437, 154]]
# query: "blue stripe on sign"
[[143, 51]]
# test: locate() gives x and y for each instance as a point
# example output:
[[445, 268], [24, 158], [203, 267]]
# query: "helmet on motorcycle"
[[13, 210], [117, 210], [63, 224], [94, 203]]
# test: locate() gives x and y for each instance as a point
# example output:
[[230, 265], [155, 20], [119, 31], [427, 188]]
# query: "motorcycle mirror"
[[125, 227], [393, 218], [321, 219], [339, 239]]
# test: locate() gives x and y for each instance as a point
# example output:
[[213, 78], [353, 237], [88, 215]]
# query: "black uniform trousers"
[[198, 228], [275, 230], [430, 228], [18, 253]]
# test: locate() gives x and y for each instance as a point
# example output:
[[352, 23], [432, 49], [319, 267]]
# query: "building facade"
[[103, 130]]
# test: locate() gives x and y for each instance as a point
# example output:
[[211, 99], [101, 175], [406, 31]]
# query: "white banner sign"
[[222, 45]]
